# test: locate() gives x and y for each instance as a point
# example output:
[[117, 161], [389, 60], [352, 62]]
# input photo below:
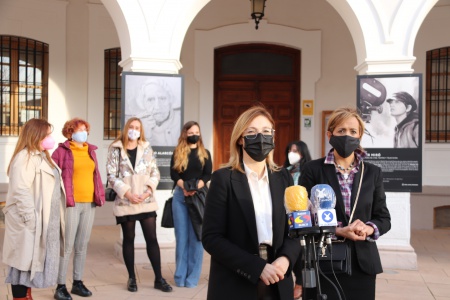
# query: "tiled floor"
[[106, 276]]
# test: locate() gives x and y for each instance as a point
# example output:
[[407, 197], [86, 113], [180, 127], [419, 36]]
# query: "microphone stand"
[[310, 272]]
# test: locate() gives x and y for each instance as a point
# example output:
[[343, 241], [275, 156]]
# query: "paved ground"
[[106, 276]]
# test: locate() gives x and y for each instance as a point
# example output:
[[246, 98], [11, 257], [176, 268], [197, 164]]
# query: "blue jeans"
[[189, 250]]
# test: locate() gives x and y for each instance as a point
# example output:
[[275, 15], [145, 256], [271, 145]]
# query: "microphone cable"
[[340, 290]]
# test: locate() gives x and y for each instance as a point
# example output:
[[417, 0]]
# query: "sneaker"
[[78, 288], [131, 285], [161, 284], [61, 293]]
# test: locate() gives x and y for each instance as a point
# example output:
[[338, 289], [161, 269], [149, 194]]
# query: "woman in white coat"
[[34, 215]]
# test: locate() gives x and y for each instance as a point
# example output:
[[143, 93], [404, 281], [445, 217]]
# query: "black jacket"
[[371, 204], [230, 235]]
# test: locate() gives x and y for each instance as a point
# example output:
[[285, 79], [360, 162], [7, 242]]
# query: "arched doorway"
[[249, 73]]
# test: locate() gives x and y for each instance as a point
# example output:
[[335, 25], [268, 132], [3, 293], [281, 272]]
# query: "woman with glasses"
[[191, 162], [245, 226]]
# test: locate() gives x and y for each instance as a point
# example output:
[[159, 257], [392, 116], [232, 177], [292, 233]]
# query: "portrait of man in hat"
[[403, 107]]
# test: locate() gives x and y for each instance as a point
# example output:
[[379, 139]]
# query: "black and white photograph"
[[390, 106], [156, 99], [390, 109]]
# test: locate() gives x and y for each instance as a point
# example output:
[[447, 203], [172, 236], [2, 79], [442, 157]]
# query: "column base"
[[398, 257]]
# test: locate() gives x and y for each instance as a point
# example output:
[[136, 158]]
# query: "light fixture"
[[257, 10]]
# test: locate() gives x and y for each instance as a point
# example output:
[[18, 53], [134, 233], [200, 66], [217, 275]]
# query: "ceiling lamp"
[[257, 10]]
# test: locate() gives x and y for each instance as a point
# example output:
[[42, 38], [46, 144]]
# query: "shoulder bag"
[[339, 259], [167, 216]]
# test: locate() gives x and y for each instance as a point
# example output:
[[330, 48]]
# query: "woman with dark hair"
[[84, 192], [297, 155], [133, 174], [190, 161], [245, 227], [342, 169], [34, 212]]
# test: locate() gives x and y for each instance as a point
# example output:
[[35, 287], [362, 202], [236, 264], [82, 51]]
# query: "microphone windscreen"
[[296, 198], [323, 196]]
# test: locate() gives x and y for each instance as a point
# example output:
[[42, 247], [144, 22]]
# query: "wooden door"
[[234, 93]]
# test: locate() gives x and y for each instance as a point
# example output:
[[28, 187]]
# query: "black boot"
[[78, 288], [161, 284], [131, 285], [61, 293]]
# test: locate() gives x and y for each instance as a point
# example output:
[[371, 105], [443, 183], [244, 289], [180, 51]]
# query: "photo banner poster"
[[391, 107], [157, 100]]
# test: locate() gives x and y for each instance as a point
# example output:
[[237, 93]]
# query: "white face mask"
[[134, 134], [294, 157]]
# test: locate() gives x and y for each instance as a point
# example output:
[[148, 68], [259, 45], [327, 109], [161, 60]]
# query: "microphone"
[[296, 203], [324, 200]]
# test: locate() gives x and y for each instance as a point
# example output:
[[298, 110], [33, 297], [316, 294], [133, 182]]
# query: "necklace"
[[344, 169]]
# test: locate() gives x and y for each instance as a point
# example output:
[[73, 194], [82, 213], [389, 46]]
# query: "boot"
[[29, 297], [61, 293], [78, 288], [14, 298]]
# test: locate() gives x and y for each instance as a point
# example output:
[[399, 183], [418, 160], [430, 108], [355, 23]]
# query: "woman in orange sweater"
[[81, 177]]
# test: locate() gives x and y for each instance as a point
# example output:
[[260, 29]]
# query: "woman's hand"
[[200, 184], [356, 231], [133, 198], [188, 194], [362, 229], [271, 274], [145, 195]]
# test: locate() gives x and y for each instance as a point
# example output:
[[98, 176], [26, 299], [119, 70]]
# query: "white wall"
[[432, 35], [44, 21]]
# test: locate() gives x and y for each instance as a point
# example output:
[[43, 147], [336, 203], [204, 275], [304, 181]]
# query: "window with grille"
[[438, 96], [23, 82], [113, 90]]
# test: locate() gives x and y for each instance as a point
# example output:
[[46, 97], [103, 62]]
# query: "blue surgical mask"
[[80, 136]]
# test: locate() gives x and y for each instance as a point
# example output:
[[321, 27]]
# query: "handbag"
[[110, 193], [196, 209], [167, 216], [337, 257]]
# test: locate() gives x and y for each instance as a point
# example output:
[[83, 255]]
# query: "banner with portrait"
[[156, 99], [391, 107]]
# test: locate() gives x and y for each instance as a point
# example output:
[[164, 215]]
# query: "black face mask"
[[259, 147], [344, 145], [193, 139]]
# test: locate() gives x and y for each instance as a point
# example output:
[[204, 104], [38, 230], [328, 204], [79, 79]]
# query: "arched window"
[[438, 96], [23, 82], [113, 92]]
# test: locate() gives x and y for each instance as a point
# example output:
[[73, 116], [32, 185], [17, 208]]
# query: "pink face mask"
[[48, 143]]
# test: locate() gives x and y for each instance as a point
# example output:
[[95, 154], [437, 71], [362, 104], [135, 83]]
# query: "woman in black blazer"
[[245, 226], [341, 169]]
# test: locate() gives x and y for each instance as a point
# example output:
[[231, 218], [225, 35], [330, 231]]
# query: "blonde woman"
[[245, 227], [34, 215], [190, 161], [341, 169], [134, 176]]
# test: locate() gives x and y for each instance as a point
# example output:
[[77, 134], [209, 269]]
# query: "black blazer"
[[230, 236], [371, 205]]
